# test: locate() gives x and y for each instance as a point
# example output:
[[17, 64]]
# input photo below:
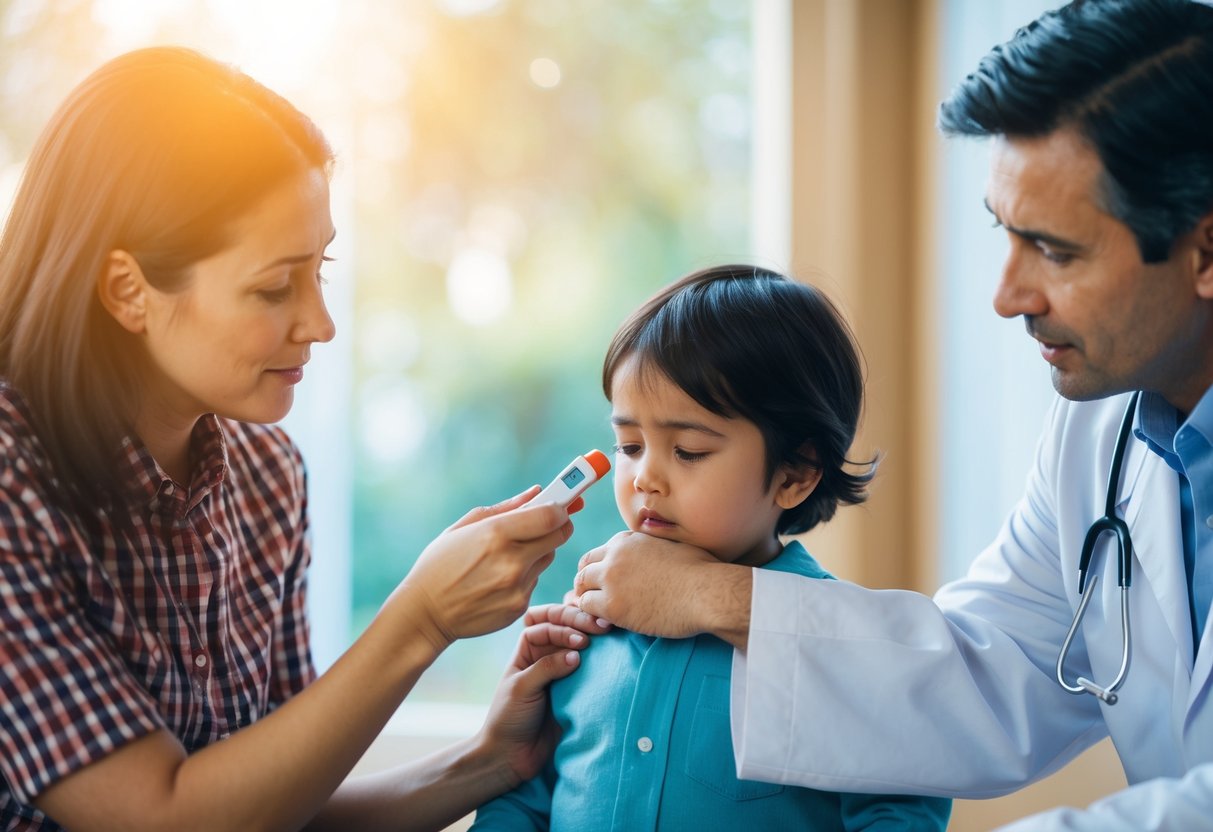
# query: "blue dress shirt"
[[646, 745], [1188, 449]]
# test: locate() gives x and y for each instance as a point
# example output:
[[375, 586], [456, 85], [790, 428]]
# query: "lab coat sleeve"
[[527, 808], [850, 689], [1160, 805]]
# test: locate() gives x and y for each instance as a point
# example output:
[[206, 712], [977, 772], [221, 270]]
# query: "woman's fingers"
[[532, 523], [485, 512], [478, 576]]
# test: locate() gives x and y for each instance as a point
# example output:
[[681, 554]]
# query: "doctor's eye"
[[1058, 258]]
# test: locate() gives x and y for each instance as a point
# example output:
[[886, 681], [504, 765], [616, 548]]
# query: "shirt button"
[[1209, 521], [200, 660], [644, 744]]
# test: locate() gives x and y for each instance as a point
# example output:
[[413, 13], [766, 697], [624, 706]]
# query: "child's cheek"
[[622, 495]]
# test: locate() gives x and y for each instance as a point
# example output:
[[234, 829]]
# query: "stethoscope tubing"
[[1109, 523]]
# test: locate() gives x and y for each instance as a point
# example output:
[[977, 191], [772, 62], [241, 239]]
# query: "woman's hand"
[[662, 588], [478, 575], [520, 729]]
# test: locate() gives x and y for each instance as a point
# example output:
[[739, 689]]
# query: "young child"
[[735, 396]]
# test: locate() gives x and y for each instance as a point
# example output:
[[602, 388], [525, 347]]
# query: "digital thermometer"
[[580, 474]]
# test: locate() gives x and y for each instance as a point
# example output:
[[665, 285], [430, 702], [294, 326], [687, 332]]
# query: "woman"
[[160, 293]]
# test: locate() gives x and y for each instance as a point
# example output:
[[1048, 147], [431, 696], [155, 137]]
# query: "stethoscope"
[[1124, 558]]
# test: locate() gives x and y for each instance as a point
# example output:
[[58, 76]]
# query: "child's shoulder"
[[796, 559]]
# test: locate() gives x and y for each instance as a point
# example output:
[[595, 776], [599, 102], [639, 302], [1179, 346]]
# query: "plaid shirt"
[[191, 619]]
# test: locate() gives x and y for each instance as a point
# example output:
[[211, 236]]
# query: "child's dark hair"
[[745, 341]]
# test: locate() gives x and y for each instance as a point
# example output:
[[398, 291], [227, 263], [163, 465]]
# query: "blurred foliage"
[[585, 195]]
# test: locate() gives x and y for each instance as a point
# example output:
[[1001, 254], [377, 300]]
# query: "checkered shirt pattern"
[[191, 618]]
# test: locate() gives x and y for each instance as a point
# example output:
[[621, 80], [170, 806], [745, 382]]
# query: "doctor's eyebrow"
[[668, 424], [1030, 235]]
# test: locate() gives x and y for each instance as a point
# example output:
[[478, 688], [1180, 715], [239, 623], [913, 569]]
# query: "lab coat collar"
[[1149, 504]]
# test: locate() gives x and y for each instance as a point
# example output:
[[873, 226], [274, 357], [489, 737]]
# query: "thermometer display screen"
[[573, 476]]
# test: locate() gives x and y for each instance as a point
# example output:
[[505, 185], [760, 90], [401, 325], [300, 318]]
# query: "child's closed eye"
[[690, 456], [627, 448]]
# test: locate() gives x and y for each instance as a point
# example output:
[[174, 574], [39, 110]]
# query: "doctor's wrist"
[[724, 604]]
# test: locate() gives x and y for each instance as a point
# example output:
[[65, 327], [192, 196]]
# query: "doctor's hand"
[[662, 588], [520, 729], [478, 575]]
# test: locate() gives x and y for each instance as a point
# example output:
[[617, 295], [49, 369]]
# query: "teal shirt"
[[646, 745]]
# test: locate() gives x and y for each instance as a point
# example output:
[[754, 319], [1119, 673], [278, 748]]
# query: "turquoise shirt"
[[646, 745]]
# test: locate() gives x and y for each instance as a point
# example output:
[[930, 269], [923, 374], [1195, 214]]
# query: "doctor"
[[1101, 116]]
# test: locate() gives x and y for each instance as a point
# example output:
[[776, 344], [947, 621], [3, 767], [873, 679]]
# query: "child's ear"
[[796, 481], [122, 290]]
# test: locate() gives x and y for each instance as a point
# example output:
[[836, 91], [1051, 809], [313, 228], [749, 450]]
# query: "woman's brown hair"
[[156, 153]]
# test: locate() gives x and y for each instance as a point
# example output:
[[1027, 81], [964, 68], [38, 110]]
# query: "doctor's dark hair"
[[1134, 78], [750, 343]]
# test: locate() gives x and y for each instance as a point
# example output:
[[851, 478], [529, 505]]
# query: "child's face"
[[683, 473]]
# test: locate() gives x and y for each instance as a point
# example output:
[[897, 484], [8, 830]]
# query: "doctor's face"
[[684, 473], [1106, 322]]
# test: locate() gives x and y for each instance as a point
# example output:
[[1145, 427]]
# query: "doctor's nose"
[[1017, 293]]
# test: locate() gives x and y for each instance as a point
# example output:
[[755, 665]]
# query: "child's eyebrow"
[[668, 424]]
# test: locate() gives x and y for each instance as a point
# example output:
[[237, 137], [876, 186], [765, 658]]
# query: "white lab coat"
[[852, 689]]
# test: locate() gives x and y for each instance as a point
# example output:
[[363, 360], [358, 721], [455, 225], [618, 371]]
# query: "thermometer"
[[580, 474]]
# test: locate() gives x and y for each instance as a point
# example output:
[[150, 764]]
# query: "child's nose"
[[648, 476]]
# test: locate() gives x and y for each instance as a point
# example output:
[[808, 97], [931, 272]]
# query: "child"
[[735, 395]]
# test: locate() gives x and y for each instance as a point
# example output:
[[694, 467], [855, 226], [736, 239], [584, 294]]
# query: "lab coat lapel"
[[1203, 667], [1151, 509]]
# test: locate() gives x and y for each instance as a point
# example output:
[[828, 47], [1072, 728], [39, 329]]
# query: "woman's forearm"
[[425, 794], [275, 774]]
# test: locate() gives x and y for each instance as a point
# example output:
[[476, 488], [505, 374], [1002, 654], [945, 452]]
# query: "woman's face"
[[235, 340]]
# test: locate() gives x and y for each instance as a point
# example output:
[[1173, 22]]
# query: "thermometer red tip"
[[599, 462]]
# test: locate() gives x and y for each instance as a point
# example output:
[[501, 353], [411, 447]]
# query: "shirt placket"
[[646, 747]]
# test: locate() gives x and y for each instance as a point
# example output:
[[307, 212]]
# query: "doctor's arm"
[[957, 692], [1161, 805]]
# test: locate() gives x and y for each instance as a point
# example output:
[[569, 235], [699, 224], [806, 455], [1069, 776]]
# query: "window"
[[992, 382], [513, 178]]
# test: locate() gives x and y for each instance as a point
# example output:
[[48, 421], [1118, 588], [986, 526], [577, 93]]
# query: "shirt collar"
[[1157, 423], [150, 484]]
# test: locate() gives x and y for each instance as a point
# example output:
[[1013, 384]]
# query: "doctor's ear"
[[1203, 245], [122, 290], [797, 480]]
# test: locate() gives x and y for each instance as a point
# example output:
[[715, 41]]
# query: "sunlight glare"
[[278, 41], [132, 22], [467, 8], [545, 73], [393, 423], [479, 286]]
